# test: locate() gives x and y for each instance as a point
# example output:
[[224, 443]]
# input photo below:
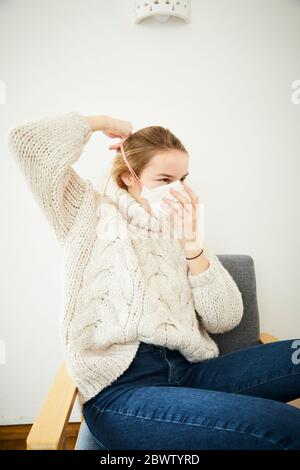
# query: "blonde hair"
[[140, 147]]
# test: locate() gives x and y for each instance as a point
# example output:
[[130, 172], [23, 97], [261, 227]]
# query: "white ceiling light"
[[162, 9]]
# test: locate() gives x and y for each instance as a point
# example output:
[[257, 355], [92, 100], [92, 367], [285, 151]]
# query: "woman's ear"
[[126, 178]]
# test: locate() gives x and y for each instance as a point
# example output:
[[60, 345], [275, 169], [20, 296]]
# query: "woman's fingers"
[[172, 204], [117, 145], [180, 196], [118, 127], [193, 196], [186, 203]]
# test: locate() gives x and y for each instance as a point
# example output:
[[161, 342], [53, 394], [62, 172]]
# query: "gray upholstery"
[[241, 268]]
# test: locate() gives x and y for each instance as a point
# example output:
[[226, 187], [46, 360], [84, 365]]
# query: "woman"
[[141, 297]]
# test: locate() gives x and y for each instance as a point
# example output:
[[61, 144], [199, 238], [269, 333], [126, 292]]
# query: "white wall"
[[221, 83]]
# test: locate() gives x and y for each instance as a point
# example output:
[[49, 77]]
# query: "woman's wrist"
[[195, 255], [191, 248], [199, 263], [97, 123]]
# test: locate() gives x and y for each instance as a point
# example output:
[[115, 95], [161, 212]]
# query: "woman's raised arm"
[[45, 150]]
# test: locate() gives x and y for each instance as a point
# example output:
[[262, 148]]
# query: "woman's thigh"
[[163, 417], [264, 370]]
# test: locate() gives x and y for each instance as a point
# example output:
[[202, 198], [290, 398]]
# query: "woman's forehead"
[[169, 162]]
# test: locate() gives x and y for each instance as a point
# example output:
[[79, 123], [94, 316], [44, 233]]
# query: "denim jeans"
[[234, 401]]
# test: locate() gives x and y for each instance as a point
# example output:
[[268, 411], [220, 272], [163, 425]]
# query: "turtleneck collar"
[[137, 216]]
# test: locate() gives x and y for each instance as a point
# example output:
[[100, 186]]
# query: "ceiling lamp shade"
[[162, 9]]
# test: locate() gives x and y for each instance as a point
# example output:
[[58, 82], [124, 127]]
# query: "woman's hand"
[[117, 128], [110, 126], [184, 217]]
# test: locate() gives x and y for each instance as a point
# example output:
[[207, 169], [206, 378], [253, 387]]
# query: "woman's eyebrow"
[[170, 176]]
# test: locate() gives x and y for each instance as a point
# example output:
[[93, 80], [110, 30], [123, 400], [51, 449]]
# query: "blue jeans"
[[234, 401]]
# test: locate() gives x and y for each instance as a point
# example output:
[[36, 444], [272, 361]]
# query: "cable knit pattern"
[[125, 280]]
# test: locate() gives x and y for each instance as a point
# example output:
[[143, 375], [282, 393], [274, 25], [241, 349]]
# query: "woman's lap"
[[193, 406], [264, 370]]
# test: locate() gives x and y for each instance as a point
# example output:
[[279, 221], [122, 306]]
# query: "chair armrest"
[[266, 338], [48, 431]]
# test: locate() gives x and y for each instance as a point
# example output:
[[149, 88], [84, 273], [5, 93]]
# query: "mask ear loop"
[[120, 145]]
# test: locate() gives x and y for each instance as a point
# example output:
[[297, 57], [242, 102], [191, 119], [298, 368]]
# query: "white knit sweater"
[[122, 282]]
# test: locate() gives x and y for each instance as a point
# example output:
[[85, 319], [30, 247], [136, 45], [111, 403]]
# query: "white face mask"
[[155, 195]]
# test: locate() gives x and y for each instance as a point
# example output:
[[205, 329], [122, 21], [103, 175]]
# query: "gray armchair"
[[49, 429]]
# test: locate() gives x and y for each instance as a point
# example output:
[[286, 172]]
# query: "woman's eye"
[[167, 179]]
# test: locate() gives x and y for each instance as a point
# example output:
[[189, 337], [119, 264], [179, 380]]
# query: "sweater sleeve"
[[44, 150], [217, 299]]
